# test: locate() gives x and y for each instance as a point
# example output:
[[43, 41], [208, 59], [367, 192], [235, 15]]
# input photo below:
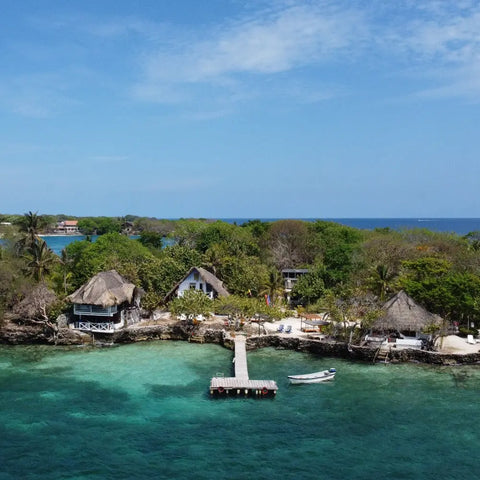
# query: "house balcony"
[[94, 310], [102, 327]]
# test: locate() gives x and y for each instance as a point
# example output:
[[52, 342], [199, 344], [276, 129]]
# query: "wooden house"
[[198, 278], [404, 319], [290, 277], [106, 303]]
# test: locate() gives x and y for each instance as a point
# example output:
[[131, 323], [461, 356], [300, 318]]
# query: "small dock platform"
[[241, 384]]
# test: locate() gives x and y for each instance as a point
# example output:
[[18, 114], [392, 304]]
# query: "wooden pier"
[[241, 384]]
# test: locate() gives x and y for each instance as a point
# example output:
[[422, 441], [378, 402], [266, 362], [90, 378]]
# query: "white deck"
[[241, 368], [231, 383], [241, 383]]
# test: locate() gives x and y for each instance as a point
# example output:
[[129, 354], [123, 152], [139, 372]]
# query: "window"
[[192, 286], [196, 276]]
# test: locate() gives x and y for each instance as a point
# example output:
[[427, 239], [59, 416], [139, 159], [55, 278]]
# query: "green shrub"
[[464, 331]]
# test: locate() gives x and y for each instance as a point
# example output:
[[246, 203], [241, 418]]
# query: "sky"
[[237, 108]]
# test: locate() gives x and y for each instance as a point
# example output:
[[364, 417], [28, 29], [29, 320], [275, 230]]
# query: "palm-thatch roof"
[[403, 314], [104, 289], [207, 277]]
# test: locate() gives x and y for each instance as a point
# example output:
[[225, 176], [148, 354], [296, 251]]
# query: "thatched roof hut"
[[403, 314], [207, 277], [105, 289]]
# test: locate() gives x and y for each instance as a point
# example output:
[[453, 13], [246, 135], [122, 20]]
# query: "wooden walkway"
[[241, 384], [241, 367]]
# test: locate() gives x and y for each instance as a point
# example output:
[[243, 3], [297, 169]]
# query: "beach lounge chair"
[[280, 328], [288, 329], [471, 340]]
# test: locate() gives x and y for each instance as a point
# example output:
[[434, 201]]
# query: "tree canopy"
[[439, 271]]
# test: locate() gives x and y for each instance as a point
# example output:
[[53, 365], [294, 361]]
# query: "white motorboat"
[[316, 377]]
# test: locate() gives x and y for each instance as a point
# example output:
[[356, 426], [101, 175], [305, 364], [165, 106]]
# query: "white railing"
[[107, 327]]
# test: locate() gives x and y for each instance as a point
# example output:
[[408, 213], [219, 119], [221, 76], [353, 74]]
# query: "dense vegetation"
[[96, 225], [350, 272]]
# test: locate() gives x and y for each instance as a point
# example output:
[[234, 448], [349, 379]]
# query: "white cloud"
[[443, 47], [278, 51], [277, 41]]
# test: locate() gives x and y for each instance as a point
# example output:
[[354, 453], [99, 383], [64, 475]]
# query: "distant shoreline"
[[61, 235]]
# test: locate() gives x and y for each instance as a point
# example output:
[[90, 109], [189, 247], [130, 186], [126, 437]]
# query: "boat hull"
[[317, 377]]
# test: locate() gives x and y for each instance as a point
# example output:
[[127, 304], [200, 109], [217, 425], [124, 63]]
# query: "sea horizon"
[[458, 225]]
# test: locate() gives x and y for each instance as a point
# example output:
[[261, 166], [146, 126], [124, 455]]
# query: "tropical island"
[[314, 286]]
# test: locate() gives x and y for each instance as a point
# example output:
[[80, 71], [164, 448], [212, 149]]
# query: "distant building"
[[290, 278], [198, 278], [127, 228], [67, 227], [106, 303]]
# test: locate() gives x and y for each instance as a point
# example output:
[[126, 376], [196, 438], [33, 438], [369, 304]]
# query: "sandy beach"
[[456, 344], [450, 344]]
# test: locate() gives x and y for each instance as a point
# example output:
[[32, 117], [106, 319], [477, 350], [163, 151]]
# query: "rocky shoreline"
[[14, 334]]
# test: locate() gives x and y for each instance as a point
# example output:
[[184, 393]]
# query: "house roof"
[[402, 313], [207, 277], [70, 223], [104, 289]]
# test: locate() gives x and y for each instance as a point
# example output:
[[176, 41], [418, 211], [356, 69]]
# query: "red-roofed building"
[[67, 227]]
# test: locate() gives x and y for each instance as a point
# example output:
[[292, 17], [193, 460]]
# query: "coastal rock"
[[62, 321], [15, 334]]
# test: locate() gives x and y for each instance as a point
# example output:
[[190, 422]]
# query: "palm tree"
[[381, 280], [274, 286], [29, 227], [66, 261], [40, 259], [213, 257]]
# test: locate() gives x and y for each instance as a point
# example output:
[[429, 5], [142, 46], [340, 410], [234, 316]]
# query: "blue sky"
[[232, 108]]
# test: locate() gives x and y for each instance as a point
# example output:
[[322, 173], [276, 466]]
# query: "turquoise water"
[[143, 411], [58, 242]]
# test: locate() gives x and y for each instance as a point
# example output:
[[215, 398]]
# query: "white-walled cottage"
[[198, 278]]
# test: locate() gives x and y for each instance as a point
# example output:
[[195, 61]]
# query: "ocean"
[[58, 242], [460, 226], [143, 411]]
